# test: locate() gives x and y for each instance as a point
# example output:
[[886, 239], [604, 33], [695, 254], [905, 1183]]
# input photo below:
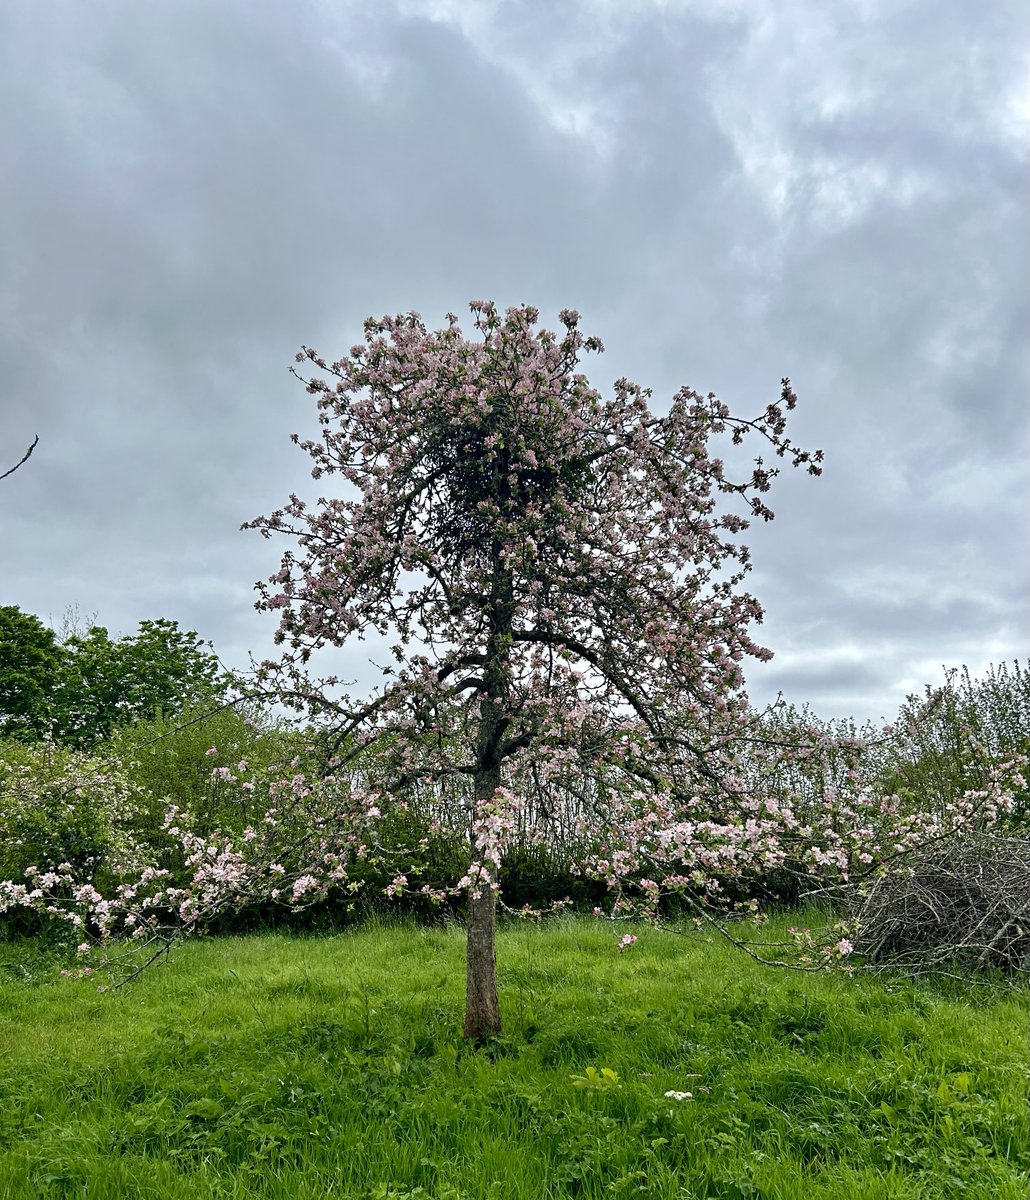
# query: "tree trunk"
[[482, 1015]]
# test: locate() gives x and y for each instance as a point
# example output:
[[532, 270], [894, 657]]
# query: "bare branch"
[[24, 458]]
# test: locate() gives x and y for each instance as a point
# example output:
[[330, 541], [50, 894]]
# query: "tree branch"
[[24, 458]]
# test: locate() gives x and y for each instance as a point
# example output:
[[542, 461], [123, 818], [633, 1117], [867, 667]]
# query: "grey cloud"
[[729, 193]]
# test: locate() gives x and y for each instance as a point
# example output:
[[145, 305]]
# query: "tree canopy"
[[78, 689], [30, 667]]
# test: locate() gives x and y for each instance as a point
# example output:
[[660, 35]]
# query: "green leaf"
[[963, 1083], [207, 1109]]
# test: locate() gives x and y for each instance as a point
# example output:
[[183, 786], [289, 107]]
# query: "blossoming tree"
[[561, 577], [562, 583]]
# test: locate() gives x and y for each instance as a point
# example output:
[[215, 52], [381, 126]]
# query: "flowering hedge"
[[64, 816], [72, 854]]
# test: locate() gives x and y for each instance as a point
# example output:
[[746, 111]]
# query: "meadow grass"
[[292, 1067]]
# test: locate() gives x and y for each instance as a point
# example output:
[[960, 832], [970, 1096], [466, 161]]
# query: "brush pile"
[[962, 902]]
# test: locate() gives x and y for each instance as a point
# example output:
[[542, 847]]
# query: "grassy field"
[[272, 1066]]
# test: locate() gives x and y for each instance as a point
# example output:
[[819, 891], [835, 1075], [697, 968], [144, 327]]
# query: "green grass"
[[295, 1068]]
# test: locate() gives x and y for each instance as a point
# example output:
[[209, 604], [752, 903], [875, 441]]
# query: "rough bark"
[[482, 1013]]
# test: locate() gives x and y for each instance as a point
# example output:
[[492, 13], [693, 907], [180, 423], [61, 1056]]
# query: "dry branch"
[[962, 902], [24, 458]]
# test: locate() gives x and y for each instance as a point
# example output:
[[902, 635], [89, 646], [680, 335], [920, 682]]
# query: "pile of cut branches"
[[960, 902]]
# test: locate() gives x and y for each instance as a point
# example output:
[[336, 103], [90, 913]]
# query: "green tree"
[[80, 687], [89, 688], [31, 664], [158, 669]]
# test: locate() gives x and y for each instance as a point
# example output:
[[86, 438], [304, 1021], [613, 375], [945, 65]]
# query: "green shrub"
[[948, 744], [171, 761]]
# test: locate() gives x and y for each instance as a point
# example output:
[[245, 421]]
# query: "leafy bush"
[[171, 758], [946, 742]]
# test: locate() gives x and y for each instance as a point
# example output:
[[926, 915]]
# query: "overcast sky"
[[728, 190]]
